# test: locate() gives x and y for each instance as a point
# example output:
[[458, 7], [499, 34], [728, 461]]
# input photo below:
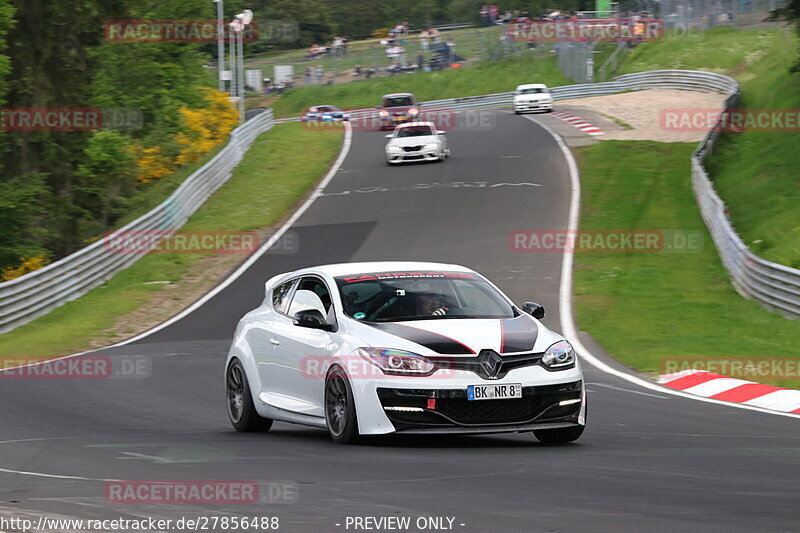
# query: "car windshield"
[[398, 101], [415, 131], [536, 90], [400, 296]]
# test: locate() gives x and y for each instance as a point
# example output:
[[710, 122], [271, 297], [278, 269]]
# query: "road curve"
[[647, 462]]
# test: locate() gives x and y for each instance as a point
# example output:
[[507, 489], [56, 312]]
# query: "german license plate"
[[496, 391]]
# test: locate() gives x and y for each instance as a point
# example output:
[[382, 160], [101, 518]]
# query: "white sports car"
[[406, 347], [532, 97], [416, 141]]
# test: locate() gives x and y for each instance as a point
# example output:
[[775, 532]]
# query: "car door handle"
[[274, 342]]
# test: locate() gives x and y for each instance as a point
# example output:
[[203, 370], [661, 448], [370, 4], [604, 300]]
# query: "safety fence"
[[778, 286]]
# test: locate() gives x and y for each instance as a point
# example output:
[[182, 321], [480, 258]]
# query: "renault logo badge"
[[490, 362]]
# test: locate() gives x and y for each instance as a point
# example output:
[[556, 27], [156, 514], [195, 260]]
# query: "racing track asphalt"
[[647, 462]]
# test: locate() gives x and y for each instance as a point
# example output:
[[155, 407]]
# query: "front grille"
[[474, 364], [454, 409], [412, 148]]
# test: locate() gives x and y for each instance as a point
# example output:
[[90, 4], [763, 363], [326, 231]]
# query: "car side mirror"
[[388, 135], [311, 318], [440, 132], [533, 309]]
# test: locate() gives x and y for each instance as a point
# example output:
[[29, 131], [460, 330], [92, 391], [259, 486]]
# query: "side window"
[[280, 295], [311, 294]]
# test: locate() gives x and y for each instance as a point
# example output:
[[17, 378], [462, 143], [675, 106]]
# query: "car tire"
[[241, 411], [340, 408], [559, 435], [550, 110]]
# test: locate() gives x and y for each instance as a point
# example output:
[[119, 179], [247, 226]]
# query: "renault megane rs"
[[405, 347]]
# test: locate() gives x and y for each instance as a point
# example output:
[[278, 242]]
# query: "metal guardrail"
[[778, 286], [34, 294]]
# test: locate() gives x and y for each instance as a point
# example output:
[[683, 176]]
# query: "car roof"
[[345, 269], [532, 86], [393, 95], [410, 124]]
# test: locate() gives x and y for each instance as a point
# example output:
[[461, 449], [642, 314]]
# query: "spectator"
[[484, 13], [494, 11], [401, 56], [307, 76], [451, 51], [392, 53], [319, 72], [357, 71], [338, 45], [424, 40], [435, 35]]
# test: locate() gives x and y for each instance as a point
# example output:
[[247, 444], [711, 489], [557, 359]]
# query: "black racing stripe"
[[519, 334], [438, 343]]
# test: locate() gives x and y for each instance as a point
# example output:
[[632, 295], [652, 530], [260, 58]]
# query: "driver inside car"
[[430, 303]]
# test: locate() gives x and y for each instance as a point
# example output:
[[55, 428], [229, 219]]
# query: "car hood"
[[413, 141], [457, 336], [533, 97], [396, 109]]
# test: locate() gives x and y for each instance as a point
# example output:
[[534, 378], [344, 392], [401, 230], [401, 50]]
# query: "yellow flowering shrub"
[[206, 127], [203, 130], [151, 164], [27, 264]]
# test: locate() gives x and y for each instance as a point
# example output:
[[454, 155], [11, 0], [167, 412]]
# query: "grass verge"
[[755, 172], [648, 308], [275, 174]]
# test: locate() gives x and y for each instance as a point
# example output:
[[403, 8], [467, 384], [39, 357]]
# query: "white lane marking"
[[348, 136], [565, 298], [526, 183], [429, 186], [53, 476]]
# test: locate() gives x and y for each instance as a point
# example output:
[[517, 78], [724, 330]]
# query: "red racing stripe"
[[691, 380], [746, 392]]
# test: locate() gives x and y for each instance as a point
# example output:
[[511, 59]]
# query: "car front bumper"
[[438, 403], [533, 106], [417, 155]]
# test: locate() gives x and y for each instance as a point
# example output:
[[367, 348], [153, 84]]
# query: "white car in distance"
[[416, 141], [532, 97]]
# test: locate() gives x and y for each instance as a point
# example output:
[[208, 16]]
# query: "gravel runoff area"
[[652, 113]]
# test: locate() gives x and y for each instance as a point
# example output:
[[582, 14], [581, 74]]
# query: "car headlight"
[[432, 146], [383, 113], [392, 148], [413, 111], [559, 355], [397, 362]]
